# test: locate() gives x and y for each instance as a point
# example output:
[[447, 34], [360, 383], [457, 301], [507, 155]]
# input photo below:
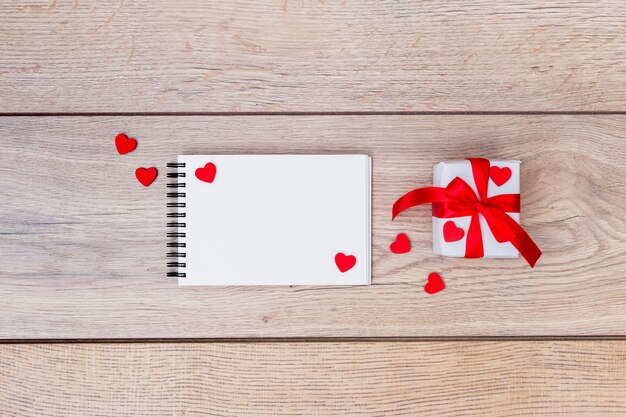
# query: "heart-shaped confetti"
[[207, 174], [124, 144], [451, 233], [344, 262], [401, 244], [146, 175], [434, 284], [499, 176]]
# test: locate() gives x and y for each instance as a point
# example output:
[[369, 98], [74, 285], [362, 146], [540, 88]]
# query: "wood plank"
[[83, 243], [580, 378], [274, 56]]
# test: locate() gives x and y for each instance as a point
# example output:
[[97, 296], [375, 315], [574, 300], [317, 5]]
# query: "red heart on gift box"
[[434, 284], [207, 174], [146, 175], [499, 176], [451, 233], [401, 245], [344, 262], [124, 144]]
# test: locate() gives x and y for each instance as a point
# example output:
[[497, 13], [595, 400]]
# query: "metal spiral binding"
[[176, 239]]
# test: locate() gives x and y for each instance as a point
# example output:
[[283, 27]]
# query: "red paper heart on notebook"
[[499, 176], [401, 245], [451, 233], [207, 174], [146, 175], [124, 144], [345, 262], [434, 284]]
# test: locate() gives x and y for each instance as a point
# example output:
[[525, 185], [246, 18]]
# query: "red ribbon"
[[458, 200]]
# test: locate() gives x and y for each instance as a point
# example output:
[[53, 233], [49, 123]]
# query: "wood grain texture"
[[315, 379], [83, 243], [249, 55]]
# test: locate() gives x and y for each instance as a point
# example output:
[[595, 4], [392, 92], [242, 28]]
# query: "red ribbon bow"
[[458, 200]]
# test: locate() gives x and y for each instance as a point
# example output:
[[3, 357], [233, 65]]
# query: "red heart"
[[207, 174], [434, 284], [345, 262], [451, 233], [124, 144], [499, 175], [401, 245], [146, 175]]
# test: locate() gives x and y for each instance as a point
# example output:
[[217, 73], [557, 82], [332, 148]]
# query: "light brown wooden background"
[[82, 244]]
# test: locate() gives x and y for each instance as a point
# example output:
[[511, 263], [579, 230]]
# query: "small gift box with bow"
[[476, 210]]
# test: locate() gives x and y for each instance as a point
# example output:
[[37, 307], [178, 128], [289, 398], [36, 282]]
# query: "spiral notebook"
[[270, 220]]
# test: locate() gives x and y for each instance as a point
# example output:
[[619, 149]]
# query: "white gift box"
[[443, 174]]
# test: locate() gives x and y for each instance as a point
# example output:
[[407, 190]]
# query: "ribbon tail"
[[419, 196], [526, 246], [505, 229]]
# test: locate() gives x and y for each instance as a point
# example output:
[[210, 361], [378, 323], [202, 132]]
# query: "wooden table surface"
[[82, 244]]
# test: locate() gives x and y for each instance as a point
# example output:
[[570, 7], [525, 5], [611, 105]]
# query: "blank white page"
[[276, 219]]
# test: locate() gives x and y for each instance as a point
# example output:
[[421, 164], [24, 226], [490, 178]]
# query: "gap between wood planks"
[[336, 113], [321, 339]]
